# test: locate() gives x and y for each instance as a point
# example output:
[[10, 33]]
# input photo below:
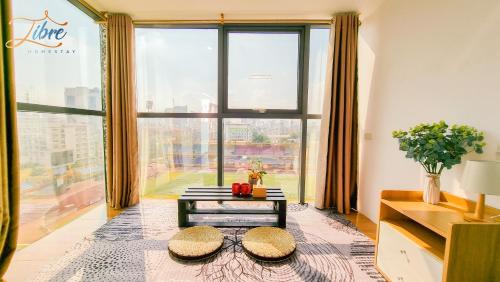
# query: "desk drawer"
[[401, 259]]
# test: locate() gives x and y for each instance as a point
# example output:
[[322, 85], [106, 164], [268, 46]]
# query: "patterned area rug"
[[133, 247]]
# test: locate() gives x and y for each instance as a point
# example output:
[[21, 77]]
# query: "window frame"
[[54, 135], [259, 29], [50, 109], [301, 113]]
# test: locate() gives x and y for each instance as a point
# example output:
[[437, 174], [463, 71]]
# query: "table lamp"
[[482, 177]]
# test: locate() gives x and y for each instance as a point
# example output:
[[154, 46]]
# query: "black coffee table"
[[186, 205]]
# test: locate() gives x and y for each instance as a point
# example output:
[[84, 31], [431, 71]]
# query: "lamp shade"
[[482, 177]]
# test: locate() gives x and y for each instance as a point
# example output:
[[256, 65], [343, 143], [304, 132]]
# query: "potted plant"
[[437, 146], [256, 172]]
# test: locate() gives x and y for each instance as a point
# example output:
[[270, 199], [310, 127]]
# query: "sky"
[[262, 70]]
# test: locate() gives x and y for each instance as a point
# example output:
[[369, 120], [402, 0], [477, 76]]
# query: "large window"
[[60, 116], [212, 99]]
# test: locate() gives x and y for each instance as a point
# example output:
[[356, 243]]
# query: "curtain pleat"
[[122, 172], [9, 150], [338, 168]]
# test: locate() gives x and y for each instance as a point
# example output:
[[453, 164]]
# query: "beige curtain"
[[9, 151], [122, 170], [337, 169]]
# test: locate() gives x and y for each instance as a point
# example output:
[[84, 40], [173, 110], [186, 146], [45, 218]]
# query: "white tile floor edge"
[[28, 261]]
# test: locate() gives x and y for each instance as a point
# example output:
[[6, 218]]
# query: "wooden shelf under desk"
[[464, 251], [434, 217]]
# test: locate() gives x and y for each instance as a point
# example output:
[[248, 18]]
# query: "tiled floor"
[[28, 261], [40, 217]]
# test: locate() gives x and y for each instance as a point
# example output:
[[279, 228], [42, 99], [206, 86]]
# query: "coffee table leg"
[[282, 214], [182, 213], [192, 205]]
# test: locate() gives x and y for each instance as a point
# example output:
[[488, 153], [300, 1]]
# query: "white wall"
[[424, 61]]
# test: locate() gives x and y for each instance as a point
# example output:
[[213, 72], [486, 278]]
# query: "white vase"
[[432, 191]]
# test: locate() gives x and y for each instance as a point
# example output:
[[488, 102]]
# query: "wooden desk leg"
[[182, 216], [282, 214]]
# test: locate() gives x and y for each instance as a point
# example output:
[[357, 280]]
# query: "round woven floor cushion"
[[269, 243], [195, 243]]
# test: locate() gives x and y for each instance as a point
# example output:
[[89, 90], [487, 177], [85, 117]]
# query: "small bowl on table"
[[246, 190], [236, 189]]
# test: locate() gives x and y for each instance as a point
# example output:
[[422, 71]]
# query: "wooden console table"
[[417, 241], [186, 205]]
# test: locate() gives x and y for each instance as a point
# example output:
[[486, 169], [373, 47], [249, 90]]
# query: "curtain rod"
[[245, 21], [222, 20]]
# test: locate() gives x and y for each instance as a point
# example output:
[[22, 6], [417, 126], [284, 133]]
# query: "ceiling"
[[233, 9]]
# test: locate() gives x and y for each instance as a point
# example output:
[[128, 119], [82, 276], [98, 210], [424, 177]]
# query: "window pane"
[[312, 150], [176, 153], [318, 53], [275, 142], [62, 170], [176, 70], [69, 75], [262, 70]]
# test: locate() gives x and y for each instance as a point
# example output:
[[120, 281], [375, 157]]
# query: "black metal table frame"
[[186, 205]]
